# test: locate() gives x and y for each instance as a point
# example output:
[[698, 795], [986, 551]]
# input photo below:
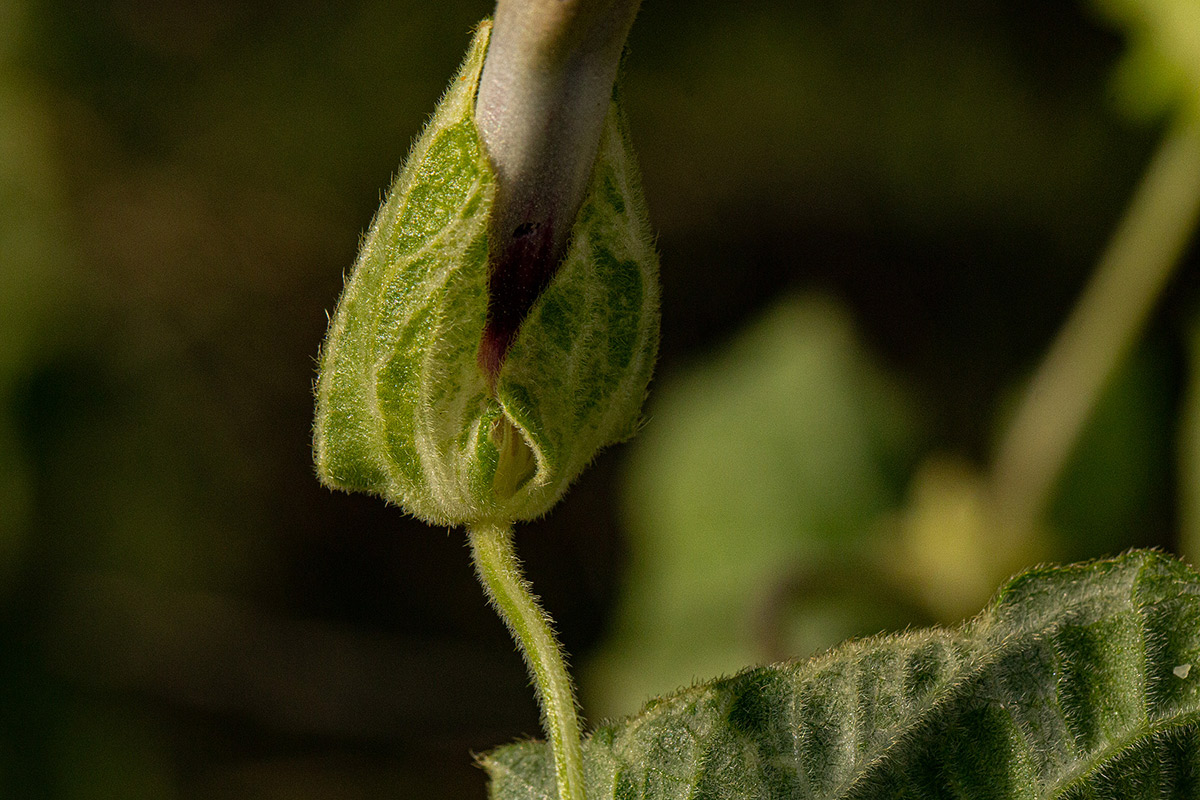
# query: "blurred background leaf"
[[1162, 66], [775, 453]]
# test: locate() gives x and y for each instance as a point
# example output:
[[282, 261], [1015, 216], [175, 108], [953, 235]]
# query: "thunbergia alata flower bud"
[[458, 417]]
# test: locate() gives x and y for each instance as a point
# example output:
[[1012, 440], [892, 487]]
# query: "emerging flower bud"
[[415, 400]]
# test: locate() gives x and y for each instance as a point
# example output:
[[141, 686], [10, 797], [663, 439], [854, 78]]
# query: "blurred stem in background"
[[1137, 264], [1189, 450]]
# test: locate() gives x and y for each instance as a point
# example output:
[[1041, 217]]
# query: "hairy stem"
[[500, 573], [1102, 328]]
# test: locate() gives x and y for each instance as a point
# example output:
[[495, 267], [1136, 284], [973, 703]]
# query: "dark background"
[[185, 613]]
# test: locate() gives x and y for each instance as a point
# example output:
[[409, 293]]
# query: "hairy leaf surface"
[[1077, 682], [404, 408]]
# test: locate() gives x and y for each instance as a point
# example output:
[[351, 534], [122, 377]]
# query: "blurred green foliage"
[[186, 614], [34, 283], [1189, 449], [1118, 483], [771, 515], [723, 484], [777, 452], [1161, 69]]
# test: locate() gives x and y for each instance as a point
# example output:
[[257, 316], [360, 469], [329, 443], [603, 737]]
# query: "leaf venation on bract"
[[404, 409]]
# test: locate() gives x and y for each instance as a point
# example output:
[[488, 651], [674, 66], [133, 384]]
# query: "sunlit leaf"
[[1077, 681]]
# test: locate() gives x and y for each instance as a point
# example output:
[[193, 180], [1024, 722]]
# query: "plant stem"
[[500, 573], [1103, 326]]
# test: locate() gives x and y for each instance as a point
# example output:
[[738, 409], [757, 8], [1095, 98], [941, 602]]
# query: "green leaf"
[[1077, 682], [779, 451], [1162, 66]]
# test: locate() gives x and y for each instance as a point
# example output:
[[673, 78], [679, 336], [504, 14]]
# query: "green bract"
[[404, 409]]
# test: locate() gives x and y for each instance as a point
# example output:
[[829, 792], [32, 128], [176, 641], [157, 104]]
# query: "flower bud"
[[411, 408]]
